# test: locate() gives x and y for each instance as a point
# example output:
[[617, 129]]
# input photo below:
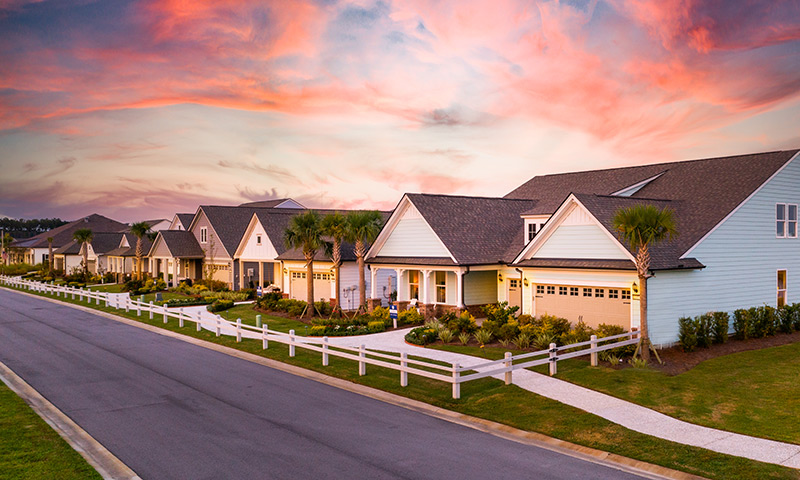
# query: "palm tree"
[[362, 229], [84, 237], [50, 259], [139, 230], [305, 232], [641, 226], [335, 227]]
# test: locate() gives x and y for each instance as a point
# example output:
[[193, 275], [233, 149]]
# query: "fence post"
[[139, 308], [324, 351], [264, 341], [403, 372], [151, 309], [508, 366], [593, 355], [218, 326], [199, 321], [97, 298], [362, 366], [180, 318], [164, 312], [456, 382], [105, 299], [553, 359], [238, 330], [73, 293], [291, 343], [127, 304]]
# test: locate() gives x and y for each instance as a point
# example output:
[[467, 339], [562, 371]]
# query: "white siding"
[[480, 288], [742, 258], [580, 241], [412, 237], [349, 280], [253, 251]]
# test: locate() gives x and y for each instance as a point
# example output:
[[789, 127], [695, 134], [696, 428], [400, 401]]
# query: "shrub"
[[508, 331], [421, 336], [376, 326], [796, 316], [248, 293], [687, 335], [719, 327], [382, 314], [463, 323], [763, 319], [269, 301], [293, 307], [742, 324], [702, 326], [409, 317], [464, 338], [220, 305], [606, 330], [483, 336], [637, 362], [522, 341], [317, 331], [499, 313], [525, 319], [543, 340], [579, 333], [183, 302], [323, 308], [446, 335], [213, 285], [132, 285]]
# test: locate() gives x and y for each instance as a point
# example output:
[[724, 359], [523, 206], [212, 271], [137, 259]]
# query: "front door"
[[514, 293]]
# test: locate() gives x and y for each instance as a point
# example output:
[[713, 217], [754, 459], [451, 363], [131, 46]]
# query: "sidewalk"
[[629, 415]]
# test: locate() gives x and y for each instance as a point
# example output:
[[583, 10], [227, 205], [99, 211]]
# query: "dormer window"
[[531, 231], [203, 234]]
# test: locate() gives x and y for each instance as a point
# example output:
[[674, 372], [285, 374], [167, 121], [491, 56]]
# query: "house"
[[181, 221], [276, 203], [264, 259], [737, 246], [158, 224], [122, 260], [70, 256], [35, 249], [175, 255]]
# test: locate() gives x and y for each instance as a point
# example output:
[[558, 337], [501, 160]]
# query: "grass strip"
[[492, 400]]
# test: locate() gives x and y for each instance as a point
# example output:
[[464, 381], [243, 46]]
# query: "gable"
[[289, 203], [160, 248], [411, 236], [213, 247], [251, 249]]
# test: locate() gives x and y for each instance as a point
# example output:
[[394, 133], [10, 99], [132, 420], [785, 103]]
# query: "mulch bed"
[[677, 361]]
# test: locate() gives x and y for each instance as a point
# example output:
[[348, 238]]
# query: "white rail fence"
[[453, 373]]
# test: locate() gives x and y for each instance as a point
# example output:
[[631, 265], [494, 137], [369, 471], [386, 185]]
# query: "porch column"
[[241, 274], [460, 288], [373, 276], [165, 270], [400, 295], [175, 271], [261, 273], [425, 287]]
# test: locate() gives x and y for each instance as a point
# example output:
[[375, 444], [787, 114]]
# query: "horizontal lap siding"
[[412, 237], [480, 288], [742, 258], [580, 241]]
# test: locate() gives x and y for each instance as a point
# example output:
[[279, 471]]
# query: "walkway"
[[629, 415]]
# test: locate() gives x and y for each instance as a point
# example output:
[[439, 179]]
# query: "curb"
[[98, 456], [589, 454]]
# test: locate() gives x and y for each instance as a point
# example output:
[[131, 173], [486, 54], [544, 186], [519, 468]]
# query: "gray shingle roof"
[[63, 235], [476, 230], [181, 243], [265, 203], [102, 243], [131, 251], [185, 219]]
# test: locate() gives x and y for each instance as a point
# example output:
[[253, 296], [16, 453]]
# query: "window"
[[298, 275], [513, 283], [562, 290], [791, 221], [573, 291], [322, 276], [413, 284], [599, 292], [441, 287], [551, 290], [786, 220], [613, 293], [540, 289], [626, 294], [203, 235], [781, 288], [587, 292], [258, 239], [531, 231]]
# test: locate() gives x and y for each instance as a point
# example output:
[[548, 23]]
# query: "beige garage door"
[[594, 305], [299, 287]]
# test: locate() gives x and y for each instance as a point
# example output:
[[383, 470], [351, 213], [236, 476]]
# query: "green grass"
[[248, 316], [30, 449], [492, 400], [111, 288]]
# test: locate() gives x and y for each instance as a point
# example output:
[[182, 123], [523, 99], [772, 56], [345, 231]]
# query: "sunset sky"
[[141, 109]]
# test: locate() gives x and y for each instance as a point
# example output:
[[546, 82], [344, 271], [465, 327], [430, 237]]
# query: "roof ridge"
[[479, 197]]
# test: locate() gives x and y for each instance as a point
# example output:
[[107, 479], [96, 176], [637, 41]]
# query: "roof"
[[131, 251], [265, 203], [63, 235], [476, 230], [181, 243], [185, 219], [102, 243], [437, 261]]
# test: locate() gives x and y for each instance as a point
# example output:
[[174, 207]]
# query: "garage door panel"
[[299, 285], [592, 308]]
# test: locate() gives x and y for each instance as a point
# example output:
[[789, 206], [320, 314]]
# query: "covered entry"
[[593, 305]]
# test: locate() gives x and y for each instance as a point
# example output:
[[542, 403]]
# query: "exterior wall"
[[253, 251], [580, 241], [161, 250], [213, 248], [742, 258], [412, 237], [480, 288], [72, 261]]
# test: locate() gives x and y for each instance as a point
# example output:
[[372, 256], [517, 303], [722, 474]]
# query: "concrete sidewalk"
[[629, 415]]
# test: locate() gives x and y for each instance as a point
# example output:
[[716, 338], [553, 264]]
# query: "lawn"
[[30, 449], [492, 400], [248, 316], [754, 392]]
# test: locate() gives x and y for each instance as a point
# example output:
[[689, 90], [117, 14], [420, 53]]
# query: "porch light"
[[499, 277], [635, 289], [525, 282], [285, 271]]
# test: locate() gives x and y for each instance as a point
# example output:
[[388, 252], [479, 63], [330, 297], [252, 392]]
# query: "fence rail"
[[453, 373]]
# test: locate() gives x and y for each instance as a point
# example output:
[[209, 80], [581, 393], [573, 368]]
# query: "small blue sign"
[[258, 290], [393, 312]]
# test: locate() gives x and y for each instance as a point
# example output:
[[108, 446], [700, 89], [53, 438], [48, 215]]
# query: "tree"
[[139, 230], [335, 227], [50, 259], [84, 236], [362, 229], [305, 233], [641, 226]]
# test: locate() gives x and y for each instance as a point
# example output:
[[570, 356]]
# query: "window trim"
[[413, 284], [532, 231], [784, 290], [440, 286], [203, 234], [786, 221], [790, 221]]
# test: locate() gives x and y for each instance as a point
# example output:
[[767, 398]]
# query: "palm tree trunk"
[[338, 307], [310, 286], [645, 337], [362, 284]]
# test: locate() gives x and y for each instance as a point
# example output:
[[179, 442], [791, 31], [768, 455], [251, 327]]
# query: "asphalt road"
[[169, 409]]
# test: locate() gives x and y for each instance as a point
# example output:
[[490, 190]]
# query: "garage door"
[[594, 305], [299, 286]]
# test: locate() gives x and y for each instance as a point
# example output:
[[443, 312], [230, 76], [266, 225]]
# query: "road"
[[169, 409]]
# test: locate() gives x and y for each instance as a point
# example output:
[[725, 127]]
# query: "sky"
[[142, 109]]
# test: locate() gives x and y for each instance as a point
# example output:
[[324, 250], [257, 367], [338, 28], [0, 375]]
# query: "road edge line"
[[507, 432]]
